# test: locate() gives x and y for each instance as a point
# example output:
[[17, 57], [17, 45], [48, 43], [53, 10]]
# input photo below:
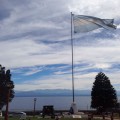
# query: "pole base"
[[74, 108]]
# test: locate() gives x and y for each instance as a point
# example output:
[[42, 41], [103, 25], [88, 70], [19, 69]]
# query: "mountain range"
[[54, 92]]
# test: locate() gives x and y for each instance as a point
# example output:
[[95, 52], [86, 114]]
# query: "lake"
[[59, 102]]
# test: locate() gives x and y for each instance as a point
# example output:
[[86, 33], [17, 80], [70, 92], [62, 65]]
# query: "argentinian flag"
[[88, 23]]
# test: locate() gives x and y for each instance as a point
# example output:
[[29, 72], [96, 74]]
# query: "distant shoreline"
[[54, 93], [52, 96]]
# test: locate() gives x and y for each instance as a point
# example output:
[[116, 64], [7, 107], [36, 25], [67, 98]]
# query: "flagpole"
[[72, 60]]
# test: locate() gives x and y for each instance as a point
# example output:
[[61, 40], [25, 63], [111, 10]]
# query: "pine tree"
[[103, 95], [5, 80]]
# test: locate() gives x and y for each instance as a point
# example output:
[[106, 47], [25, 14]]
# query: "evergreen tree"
[[6, 86], [103, 95]]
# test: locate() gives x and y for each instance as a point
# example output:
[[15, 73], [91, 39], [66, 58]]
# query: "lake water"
[[59, 103]]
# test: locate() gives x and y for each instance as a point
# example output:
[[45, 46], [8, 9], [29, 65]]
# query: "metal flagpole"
[[72, 60]]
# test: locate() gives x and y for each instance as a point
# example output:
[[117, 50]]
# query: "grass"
[[38, 118], [49, 118]]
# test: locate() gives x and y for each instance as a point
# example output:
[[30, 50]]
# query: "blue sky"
[[35, 43]]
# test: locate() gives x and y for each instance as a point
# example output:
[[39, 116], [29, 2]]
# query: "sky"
[[35, 43]]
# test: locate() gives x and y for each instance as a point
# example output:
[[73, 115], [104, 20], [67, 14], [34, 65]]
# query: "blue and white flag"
[[88, 23]]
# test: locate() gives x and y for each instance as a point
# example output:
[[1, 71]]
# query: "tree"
[[6, 85], [103, 95]]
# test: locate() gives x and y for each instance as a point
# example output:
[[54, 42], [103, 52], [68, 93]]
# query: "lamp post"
[[34, 105], [8, 85]]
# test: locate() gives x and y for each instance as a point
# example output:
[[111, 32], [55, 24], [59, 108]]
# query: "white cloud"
[[99, 8], [56, 82], [38, 33], [34, 70], [103, 65], [59, 82]]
